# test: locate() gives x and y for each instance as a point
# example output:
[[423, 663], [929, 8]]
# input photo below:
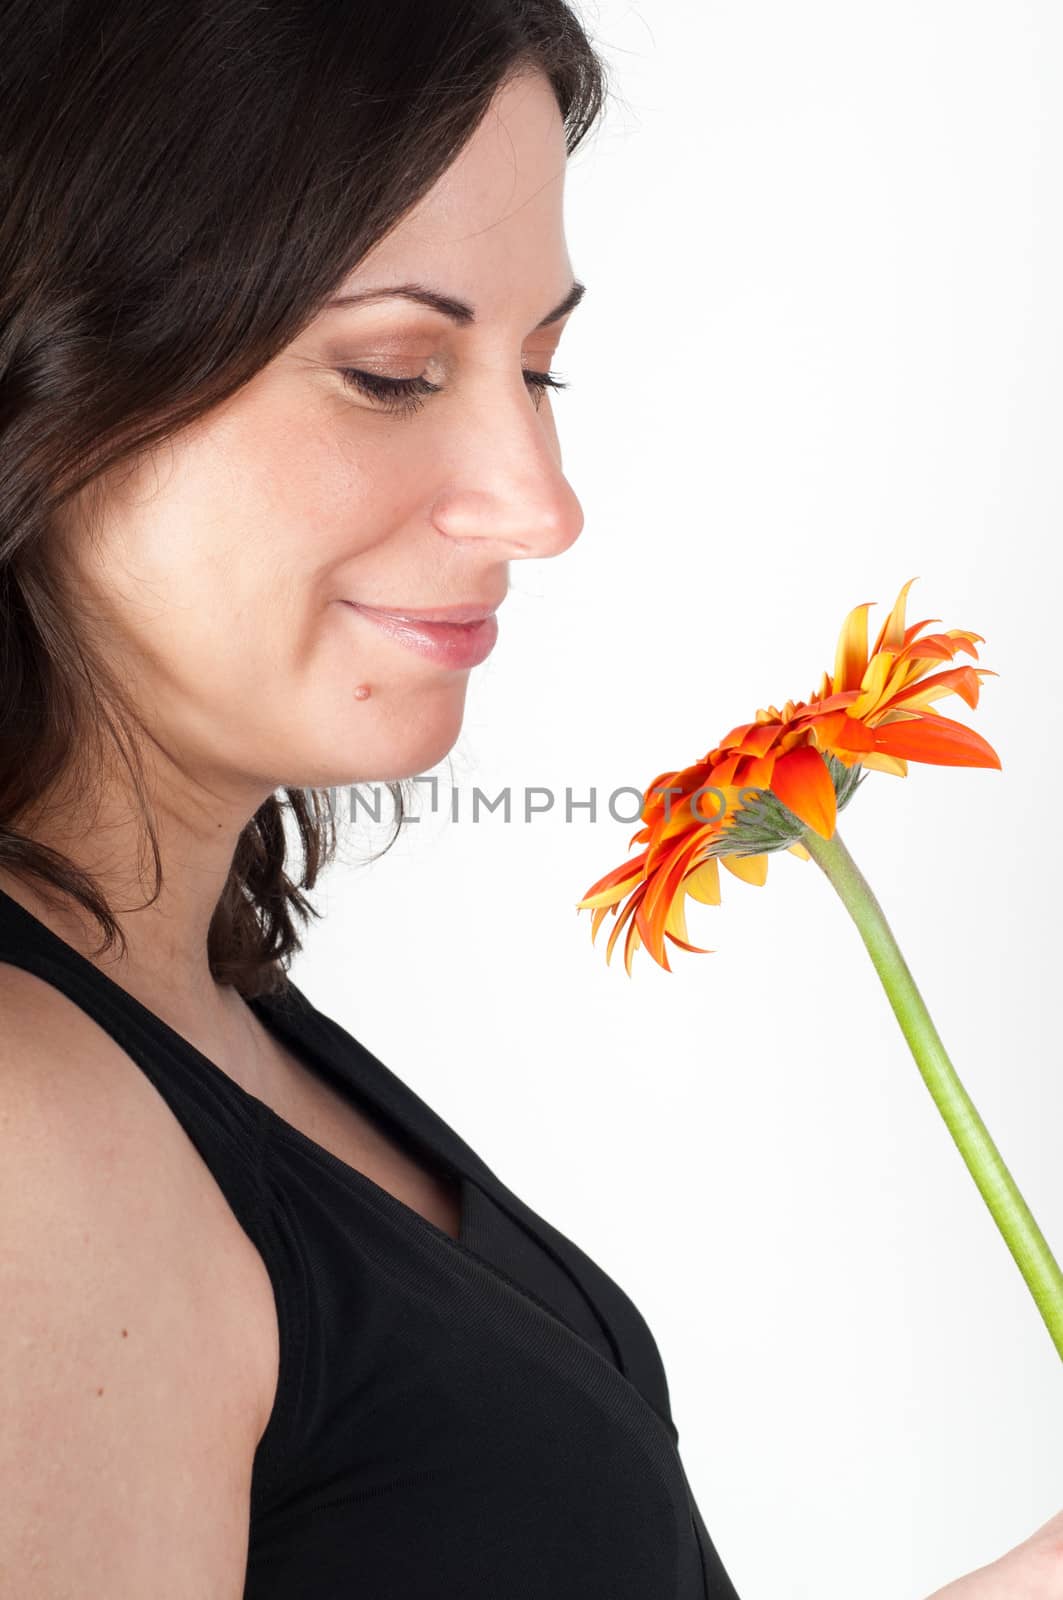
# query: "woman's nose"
[[511, 493]]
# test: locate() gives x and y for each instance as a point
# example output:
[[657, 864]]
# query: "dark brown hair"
[[182, 186]]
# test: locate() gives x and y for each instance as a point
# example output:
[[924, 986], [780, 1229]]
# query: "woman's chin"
[[407, 754]]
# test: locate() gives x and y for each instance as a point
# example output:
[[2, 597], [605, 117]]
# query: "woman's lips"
[[456, 645]]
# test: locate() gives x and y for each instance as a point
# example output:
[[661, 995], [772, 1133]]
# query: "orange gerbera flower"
[[770, 780]]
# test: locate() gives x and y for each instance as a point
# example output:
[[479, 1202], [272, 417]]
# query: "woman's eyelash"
[[405, 395]]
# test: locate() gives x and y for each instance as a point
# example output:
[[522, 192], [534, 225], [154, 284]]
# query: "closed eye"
[[406, 395]]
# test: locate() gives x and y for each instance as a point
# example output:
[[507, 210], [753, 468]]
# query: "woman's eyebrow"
[[458, 311]]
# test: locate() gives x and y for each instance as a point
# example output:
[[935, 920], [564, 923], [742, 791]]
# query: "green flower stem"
[[984, 1162]]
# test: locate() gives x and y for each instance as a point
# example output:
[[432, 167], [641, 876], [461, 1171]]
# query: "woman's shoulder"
[[95, 1161], [129, 1431]]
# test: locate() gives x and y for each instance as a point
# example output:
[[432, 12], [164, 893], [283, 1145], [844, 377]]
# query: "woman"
[[282, 282]]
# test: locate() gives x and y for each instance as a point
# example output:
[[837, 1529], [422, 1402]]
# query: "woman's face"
[[224, 563]]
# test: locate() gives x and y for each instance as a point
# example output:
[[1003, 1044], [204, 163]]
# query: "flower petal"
[[755, 772], [916, 627], [704, 883], [853, 734], [695, 949], [957, 680], [724, 770], [615, 884], [891, 634], [940, 741], [883, 763], [751, 869], [628, 911], [802, 782], [850, 657], [662, 889], [631, 943], [760, 739], [676, 920]]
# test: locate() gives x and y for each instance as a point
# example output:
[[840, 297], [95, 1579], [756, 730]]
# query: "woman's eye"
[[405, 395]]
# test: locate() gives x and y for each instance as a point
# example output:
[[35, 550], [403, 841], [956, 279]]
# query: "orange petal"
[[850, 657], [935, 647], [627, 912], [697, 949], [891, 634], [853, 735], [957, 680], [662, 890], [614, 886], [968, 640], [833, 702], [736, 735], [883, 763], [910, 632], [703, 883], [940, 741], [653, 798], [755, 772], [676, 920], [724, 771], [760, 739], [802, 782], [873, 683], [827, 727], [751, 869], [631, 944], [680, 820]]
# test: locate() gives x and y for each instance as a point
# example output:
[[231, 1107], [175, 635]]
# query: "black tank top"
[[481, 1418]]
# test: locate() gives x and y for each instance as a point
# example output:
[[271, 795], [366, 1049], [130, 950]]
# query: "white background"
[[819, 354]]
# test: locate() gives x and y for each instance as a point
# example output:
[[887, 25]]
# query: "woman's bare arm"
[[125, 1452], [1032, 1570]]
